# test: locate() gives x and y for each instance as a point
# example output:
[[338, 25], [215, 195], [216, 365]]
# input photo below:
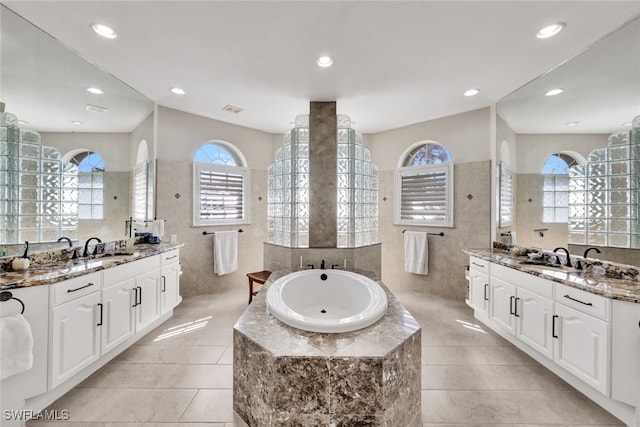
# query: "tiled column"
[[322, 175]]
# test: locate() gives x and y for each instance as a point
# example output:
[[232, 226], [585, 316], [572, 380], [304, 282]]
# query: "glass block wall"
[[37, 188], [288, 189], [603, 204]]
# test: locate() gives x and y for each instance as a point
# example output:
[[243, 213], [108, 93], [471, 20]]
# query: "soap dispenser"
[[22, 263]]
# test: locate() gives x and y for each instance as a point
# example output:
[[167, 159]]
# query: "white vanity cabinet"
[[119, 313], [479, 284], [625, 352], [75, 314], [147, 298], [522, 304], [170, 271]]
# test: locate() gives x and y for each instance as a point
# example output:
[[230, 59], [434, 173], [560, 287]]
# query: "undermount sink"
[[561, 272]]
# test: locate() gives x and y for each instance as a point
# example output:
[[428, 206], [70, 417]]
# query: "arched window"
[[424, 186], [555, 199], [222, 185], [90, 184]]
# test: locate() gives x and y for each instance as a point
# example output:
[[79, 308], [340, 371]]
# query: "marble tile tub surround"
[[48, 268], [285, 376], [619, 281]]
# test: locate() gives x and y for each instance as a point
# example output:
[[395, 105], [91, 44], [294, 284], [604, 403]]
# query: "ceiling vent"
[[96, 109], [232, 109]]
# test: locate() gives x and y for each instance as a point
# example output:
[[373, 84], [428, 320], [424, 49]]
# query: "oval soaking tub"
[[326, 300]]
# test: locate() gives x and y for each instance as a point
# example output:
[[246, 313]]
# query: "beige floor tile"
[[201, 377], [227, 356], [210, 406], [475, 356], [487, 377], [161, 354], [118, 375], [125, 404]]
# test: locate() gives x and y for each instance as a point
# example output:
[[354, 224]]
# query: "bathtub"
[[330, 301]]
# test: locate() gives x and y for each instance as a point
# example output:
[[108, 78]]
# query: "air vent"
[[232, 109], [96, 109]]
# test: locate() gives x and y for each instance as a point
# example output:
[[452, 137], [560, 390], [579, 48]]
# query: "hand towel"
[[16, 345], [158, 227], [512, 238], [416, 252], [225, 252]]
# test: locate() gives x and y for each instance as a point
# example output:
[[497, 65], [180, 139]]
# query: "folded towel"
[[16, 345], [225, 252], [157, 227], [416, 252]]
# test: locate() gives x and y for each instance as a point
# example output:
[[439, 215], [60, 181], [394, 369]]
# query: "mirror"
[[601, 96], [44, 84]]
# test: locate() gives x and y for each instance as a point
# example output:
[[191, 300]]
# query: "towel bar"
[[6, 296], [431, 234], [204, 233]]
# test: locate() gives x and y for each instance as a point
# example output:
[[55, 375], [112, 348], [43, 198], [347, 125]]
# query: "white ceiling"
[[396, 62]]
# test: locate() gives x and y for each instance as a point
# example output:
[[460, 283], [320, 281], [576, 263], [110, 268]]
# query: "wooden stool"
[[259, 277]]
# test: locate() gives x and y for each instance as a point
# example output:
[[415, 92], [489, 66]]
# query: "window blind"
[[140, 192], [221, 195], [506, 195], [424, 196]]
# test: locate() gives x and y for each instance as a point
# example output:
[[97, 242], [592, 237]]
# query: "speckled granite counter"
[[286, 376], [47, 273], [619, 281]]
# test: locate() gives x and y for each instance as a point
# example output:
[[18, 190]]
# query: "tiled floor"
[[181, 375]]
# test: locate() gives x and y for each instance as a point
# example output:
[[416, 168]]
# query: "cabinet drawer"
[[74, 288], [586, 302], [479, 265], [170, 257], [527, 281], [127, 271]]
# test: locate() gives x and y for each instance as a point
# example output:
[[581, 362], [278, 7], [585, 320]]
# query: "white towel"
[[416, 252], [157, 227], [16, 345], [225, 252]]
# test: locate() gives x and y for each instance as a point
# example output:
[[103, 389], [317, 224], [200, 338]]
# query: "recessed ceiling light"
[[574, 123], [104, 30], [472, 92], [178, 91], [232, 109], [550, 30], [77, 123], [325, 61], [624, 124], [95, 91], [554, 92]]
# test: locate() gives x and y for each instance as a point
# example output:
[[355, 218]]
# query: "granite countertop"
[[49, 273], [257, 324], [614, 283]]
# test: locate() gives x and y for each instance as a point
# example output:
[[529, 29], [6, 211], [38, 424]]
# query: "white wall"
[[535, 149], [114, 148]]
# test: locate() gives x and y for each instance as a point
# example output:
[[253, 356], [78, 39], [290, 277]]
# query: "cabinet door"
[[533, 321], [75, 337], [479, 290], [118, 314], [169, 287], [582, 346], [501, 303], [148, 299]]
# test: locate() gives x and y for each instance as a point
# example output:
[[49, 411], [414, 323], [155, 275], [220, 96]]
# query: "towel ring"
[[6, 296]]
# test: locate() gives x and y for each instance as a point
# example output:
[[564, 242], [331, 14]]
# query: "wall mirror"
[[45, 85], [601, 96]]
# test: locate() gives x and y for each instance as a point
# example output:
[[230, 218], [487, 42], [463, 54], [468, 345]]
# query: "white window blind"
[[506, 195], [140, 192], [220, 191], [426, 195]]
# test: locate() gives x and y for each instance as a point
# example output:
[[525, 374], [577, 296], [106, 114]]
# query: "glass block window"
[[424, 186], [555, 198], [222, 185], [90, 185]]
